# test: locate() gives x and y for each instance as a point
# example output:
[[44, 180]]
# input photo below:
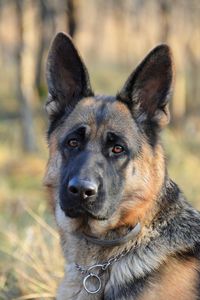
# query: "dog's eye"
[[73, 143], [117, 149]]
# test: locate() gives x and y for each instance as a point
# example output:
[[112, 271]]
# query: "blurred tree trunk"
[[41, 45], [178, 105], [71, 17], [46, 28], [1, 33], [165, 10], [29, 143], [193, 80]]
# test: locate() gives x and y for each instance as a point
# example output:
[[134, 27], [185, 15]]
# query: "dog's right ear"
[[67, 77], [147, 90]]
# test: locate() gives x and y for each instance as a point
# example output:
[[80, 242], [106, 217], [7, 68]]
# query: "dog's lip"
[[96, 217], [76, 212], [72, 212]]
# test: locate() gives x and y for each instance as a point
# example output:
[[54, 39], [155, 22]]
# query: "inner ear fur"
[[67, 77], [148, 88]]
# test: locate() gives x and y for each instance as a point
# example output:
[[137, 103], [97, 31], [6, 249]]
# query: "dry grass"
[[35, 261]]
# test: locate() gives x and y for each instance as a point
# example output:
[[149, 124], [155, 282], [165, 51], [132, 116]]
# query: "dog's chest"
[[72, 286], [114, 281]]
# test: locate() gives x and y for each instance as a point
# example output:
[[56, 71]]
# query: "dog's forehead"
[[102, 112]]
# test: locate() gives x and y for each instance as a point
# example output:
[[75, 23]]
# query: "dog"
[[126, 229]]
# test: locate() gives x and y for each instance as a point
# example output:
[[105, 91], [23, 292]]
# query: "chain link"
[[104, 266], [81, 269], [89, 274]]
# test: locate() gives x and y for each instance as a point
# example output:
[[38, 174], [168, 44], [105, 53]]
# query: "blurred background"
[[112, 37]]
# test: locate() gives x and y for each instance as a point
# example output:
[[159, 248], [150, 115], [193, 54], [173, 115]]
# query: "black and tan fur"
[[113, 144]]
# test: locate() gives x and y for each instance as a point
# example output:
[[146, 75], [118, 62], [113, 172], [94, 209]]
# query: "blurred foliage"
[[112, 40]]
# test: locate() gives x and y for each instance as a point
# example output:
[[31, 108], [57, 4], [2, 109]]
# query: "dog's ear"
[[67, 77], [147, 89]]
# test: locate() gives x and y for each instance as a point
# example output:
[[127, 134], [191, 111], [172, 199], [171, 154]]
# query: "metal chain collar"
[[89, 273]]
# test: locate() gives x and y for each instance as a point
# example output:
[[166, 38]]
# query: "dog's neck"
[[119, 241]]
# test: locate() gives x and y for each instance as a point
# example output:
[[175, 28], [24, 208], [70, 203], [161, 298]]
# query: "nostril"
[[73, 190], [90, 193]]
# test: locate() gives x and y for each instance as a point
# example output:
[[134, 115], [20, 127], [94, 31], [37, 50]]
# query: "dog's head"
[[106, 162]]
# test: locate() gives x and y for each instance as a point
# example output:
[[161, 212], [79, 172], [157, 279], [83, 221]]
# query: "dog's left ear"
[[67, 77], [147, 89]]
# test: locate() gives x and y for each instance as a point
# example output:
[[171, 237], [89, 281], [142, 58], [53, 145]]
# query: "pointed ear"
[[147, 90], [67, 77]]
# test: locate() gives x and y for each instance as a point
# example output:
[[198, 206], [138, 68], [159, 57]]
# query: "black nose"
[[82, 188]]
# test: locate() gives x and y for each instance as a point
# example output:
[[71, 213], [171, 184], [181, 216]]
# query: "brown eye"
[[73, 143], [117, 149]]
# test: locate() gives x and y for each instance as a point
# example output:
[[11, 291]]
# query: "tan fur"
[[52, 173], [149, 169], [177, 281]]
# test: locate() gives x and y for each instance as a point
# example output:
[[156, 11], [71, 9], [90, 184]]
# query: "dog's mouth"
[[77, 212], [73, 213]]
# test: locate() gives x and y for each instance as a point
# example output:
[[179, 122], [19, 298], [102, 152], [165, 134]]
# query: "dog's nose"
[[82, 188]]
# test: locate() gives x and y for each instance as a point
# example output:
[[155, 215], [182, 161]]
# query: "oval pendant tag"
[[97, 281]]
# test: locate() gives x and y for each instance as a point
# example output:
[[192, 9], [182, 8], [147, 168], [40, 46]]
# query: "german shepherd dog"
[[126, 230]]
